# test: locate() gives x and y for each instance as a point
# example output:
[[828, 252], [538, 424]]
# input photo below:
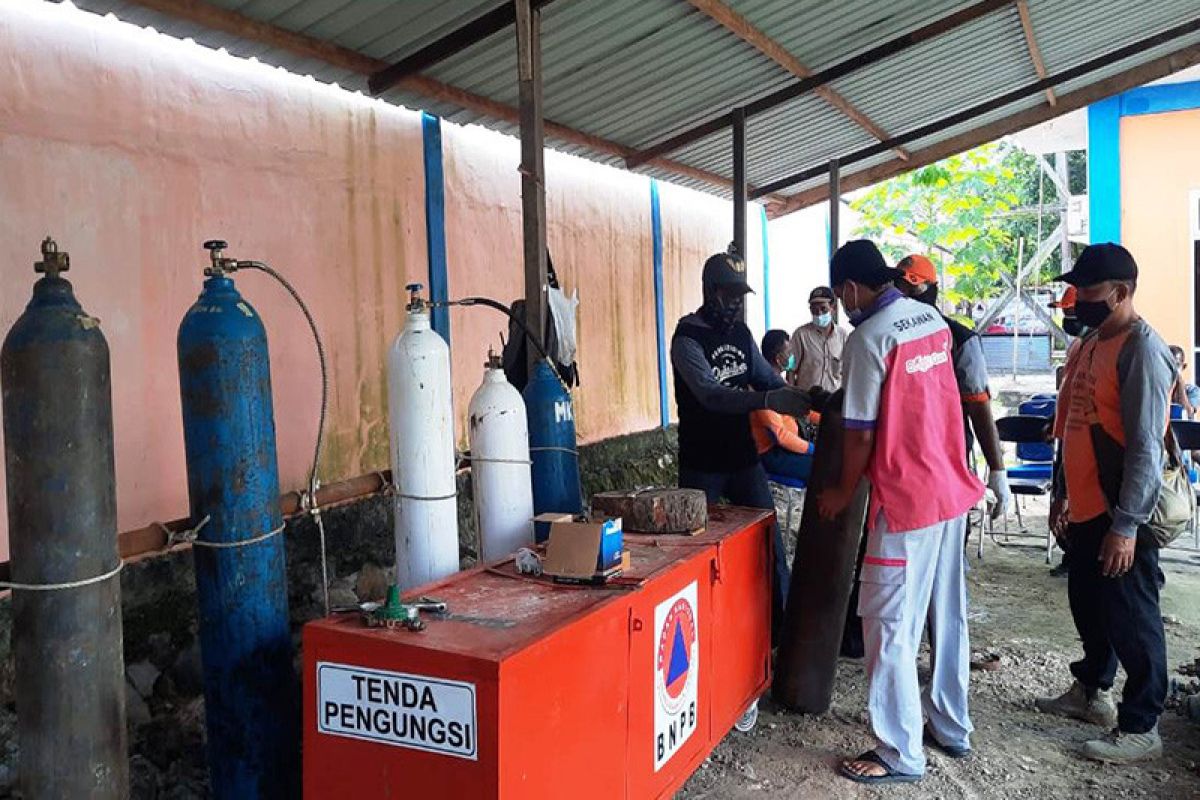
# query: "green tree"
[[963, 213]]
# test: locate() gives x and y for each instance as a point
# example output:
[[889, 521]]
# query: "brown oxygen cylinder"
[[822, 577]]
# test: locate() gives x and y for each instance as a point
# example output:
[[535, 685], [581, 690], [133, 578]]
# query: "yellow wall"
[[1160, 165]]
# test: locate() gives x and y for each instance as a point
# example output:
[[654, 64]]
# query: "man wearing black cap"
[[720, 377], [1111, 417], [818, 346], [904, 432]]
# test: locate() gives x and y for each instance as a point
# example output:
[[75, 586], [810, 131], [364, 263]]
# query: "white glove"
[[998, 485]]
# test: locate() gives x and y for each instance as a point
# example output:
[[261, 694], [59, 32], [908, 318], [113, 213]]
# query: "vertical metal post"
[[739, 181], [835, 204], [1060, 167], [533, 171], [1017, 312]]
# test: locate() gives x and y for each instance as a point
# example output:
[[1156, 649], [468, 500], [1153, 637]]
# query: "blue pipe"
[[233, 482]]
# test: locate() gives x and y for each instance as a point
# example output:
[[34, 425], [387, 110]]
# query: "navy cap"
[[1099, 263], [860, 261], [725, 269], [821, 293]]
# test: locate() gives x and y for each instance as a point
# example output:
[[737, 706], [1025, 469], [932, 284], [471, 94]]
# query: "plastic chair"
[[788, 483], [1187, 434], [1028, 479]]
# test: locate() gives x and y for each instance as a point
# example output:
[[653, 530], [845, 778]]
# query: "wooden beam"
[[1035, 52], [741, 27], [1081, 98], [244, 27], [996, 103], [456, 41], [817, 79], [533, 169]]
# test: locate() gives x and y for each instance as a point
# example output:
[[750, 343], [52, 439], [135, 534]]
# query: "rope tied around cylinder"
[[186, 536], [478, 460], [55, 587], [241, 543], [191, 536], [568, 450], [397, 493]]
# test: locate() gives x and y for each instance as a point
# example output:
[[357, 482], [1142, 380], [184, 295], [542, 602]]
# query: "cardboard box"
[[578, 549]]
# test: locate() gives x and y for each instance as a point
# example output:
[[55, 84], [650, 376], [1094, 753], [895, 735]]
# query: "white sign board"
[[423, 713], [676, 673]]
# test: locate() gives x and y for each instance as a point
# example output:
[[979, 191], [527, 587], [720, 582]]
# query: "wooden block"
[[655, 510]]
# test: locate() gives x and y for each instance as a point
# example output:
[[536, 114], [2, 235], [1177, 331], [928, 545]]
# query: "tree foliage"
[[960, 212]]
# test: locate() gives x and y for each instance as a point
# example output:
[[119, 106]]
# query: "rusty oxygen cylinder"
[[822, 577], [62, 525]]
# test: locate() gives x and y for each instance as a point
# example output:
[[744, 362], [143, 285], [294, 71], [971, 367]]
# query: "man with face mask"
[[720, 377], [903, 431], [919, 282], [1071, 327], [818, 345], [1111, 418]]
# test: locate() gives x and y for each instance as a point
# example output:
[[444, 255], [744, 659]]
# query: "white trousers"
[[909, 578]]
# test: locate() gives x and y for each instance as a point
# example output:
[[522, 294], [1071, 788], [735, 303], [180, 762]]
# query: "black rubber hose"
[[487, 301]]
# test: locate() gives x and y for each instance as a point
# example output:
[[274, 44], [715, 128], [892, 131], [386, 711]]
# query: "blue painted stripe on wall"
[[762, 215], [435, 222], [828, 245], [1161, 99], [1104, 170], [660, 322]]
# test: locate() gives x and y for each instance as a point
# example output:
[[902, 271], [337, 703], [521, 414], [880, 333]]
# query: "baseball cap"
[[725, 269], [821, 293], [1067, 301], [1099, 263], [860, 261], [917, 269]]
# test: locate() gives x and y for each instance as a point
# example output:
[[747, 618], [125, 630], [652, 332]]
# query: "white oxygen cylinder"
[[421, 415], [500, 466]]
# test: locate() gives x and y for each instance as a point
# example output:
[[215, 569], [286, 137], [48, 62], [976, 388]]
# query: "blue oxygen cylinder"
[[56, 395], [241, 579], [552, 446]]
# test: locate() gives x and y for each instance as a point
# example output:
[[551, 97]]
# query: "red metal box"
[[534, 690]]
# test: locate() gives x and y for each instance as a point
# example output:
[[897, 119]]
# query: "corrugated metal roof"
[[634, 72]]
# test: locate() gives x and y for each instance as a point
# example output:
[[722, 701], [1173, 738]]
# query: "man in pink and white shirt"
[[904, 433]]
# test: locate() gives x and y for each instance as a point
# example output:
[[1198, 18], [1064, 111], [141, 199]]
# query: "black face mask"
[[722, 314], [1074, 327], [929, 296], [1093, 314]]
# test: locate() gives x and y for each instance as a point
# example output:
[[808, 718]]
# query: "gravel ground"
[[1019, 611]]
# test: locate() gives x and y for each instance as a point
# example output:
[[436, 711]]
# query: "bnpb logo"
[[676, 655]]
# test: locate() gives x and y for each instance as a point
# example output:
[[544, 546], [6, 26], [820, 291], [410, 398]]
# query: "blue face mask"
[[823, 320], [791, 362]]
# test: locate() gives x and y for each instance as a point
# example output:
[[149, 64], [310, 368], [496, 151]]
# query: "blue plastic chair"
[[788, 483], [1028, 479]]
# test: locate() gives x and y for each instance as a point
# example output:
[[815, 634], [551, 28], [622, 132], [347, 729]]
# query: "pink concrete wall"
[[599, 236], [131, 149], [693, 228]]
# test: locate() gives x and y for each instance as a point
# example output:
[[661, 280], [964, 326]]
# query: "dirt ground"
[[1019, 611]]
